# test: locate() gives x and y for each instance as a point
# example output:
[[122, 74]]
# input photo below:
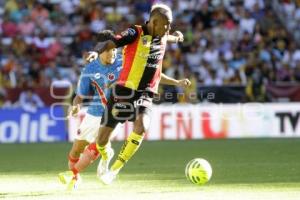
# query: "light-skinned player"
[[94, 83]]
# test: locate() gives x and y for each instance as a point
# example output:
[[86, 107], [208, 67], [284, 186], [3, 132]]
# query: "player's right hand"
[[90, 56], [179, 35], [74, 111], [184, 83]]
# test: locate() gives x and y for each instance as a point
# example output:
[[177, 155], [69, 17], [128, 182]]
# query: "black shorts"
[[125, 104]]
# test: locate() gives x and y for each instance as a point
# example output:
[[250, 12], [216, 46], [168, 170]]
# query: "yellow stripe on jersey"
[[139, 63]]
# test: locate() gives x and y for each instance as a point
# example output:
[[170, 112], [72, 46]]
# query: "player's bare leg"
[[69, 177], [129, 148], [104, 148], [74, 154]]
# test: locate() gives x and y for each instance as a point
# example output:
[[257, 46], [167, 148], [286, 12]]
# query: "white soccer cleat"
[[108, 177], [103, 164]]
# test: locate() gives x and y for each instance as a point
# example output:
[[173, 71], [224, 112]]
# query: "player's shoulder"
[[118, 62], [132, 30], [91, 66]]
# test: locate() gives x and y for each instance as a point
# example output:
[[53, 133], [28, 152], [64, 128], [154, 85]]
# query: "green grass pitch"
[[242, 169]]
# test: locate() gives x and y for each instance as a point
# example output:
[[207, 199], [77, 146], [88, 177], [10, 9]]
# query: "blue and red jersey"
[[94, 82]]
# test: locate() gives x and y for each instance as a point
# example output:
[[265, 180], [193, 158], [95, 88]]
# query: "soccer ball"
[[198, 171]]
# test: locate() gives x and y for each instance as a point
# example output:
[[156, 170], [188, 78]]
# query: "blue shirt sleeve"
[[84, 83]]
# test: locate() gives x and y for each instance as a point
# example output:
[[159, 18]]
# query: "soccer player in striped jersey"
[[131, 99], [94, 82]]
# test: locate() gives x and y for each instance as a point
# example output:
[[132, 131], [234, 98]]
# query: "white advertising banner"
[[208, 121]]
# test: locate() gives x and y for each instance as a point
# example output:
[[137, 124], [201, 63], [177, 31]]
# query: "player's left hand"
[[74, 111], [184, 83], [179, 35]]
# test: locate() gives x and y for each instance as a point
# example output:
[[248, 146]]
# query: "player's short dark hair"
[[163, 10], [105, 35]]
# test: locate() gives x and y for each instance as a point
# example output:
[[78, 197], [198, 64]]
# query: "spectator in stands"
[[30, 101], [297, 72], [9, 28], [255, 89], [190, 93], [193, 58], [213, 79], [18, 46], [252, 4], [211, 53], [247, 23], [26, 26], [60, 82], [39, 14], [4, 103], [284, 73], [46, 39], [225, 73]]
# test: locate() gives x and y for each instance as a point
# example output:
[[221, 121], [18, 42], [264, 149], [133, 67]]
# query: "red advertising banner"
[[211, 121]]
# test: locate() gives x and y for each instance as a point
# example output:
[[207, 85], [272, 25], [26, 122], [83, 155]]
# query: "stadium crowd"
[[289, 12], [227, 42]]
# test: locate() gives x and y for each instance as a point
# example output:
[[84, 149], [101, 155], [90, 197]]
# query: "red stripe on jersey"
[[155, 80], [128, 57], [100, 92]]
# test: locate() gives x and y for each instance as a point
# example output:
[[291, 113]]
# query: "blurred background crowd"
[[247, 43]]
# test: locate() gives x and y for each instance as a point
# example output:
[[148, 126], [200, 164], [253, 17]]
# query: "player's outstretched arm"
[[104, 46], [166, 80], [99, 48], [77, 101], [120, 40], [176, 37]]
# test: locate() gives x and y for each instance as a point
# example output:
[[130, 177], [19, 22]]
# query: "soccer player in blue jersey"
[[94, 83]]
